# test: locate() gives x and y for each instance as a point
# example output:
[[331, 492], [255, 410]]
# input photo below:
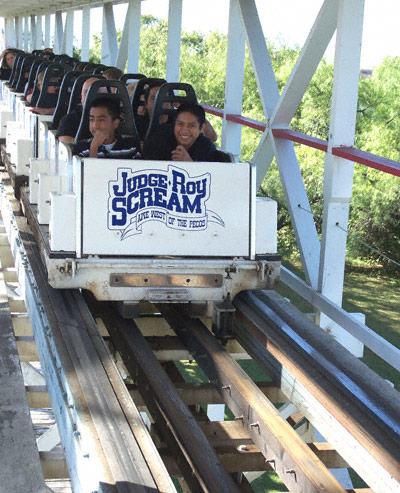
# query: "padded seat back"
[[168, 98], [49, 93], [75, 97], [138, 94], [64, 96], [37, 66], [23, 74], [115, 89]]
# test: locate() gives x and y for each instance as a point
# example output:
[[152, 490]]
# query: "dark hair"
[[112, 105], [194, 109], [150, 85], [113, 73], [3, 60]]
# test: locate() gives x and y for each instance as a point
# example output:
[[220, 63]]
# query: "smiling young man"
[[184, 141], [106, 142]]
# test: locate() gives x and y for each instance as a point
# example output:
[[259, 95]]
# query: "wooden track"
[[81, 347]]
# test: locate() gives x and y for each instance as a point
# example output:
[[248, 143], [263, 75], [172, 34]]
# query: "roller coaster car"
[[161, 231], [194, 214]]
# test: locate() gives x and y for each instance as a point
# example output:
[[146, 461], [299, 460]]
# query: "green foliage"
[[374, 215], [95, 50], [153, 46]]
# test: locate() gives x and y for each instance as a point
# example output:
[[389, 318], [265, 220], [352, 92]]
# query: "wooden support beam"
[[198, 462], [357, 426], [206, 393], [54, 465], [274, 436], [27, 348], [37, 396], [18, 451]]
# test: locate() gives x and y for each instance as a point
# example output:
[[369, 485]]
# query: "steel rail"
[[200, 466], [365, 407], [294, 462], [100, 448]]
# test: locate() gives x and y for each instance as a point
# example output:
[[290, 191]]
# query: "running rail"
[[348, 403], [103, 450]]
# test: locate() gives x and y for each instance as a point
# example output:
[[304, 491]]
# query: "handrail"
[[360, 331], [351, 153], [380, 346]]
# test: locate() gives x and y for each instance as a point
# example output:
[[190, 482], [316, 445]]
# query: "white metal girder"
[[58, 32], [259, 55], [299, 208], [263, 156], [174, 40], [85, 46], [313, 50], [33, 33], [39, 33], [338, 174], [130, 40], [231, 131], [10, 32], [109, 47], [292, 182], [68, 35], [26, 34], [18, 32], [47, 41], [49, 439]]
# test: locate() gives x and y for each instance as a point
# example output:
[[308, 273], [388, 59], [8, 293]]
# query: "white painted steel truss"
[[323, 262]]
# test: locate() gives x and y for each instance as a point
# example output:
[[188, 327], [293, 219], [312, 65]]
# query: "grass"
[[377, 296]]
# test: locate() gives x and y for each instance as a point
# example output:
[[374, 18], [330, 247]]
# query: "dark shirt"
[[142, 124], [125, 147], [160, 145], [69, 124], [5, 73]]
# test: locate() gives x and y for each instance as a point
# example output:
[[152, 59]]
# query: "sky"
[[285, 21], [291, 20]]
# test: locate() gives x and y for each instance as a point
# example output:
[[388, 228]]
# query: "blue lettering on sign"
[[171, 197]]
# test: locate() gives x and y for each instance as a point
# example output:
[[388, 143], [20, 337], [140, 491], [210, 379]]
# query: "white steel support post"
[[19, 32], [7, 30], [130, 40], [47, 40], [22, 32], [85, 34], [231, 131], [338, 175], [39, 33], [58, 32], [10, 32], [174, 40], [313, 50], [16, 34], [109, 46], [26, 34], [307, 62], [265, 78], [292, 182], [33, 33], [68, 35]]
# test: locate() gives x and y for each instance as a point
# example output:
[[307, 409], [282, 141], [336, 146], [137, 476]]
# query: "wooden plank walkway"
[[20, 469], [23, 466]]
